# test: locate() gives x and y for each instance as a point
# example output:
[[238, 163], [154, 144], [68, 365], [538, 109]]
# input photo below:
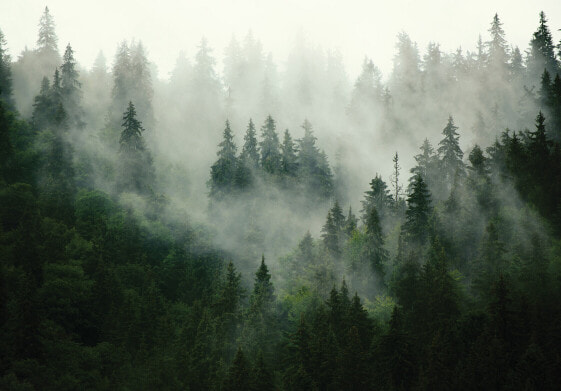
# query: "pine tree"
[[374, 251], [498, 48], [261, 377], [231, 292], [239, 374], [70, 89], [541, 55], [395, 179], [263, 295], [417, 214], [250, 149], [223, 171], [289, 165], [121, 78], [426, 164], [136, 172], [351, 223], [330, 236], [450, 154], [313, 167], [270, 147], [47, 42], [377, 197], [5, 73], [367, 93]]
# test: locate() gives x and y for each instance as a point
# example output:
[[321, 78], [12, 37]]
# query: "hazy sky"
[[355, 28]]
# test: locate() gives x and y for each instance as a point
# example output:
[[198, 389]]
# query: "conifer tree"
[[330, 236], [313, 167], [136, 171], [351, 223], [377, 197], [261, 377], [541, 55], [498, 55], [426, 164], [374, 251], [263, 295], [70, 88], [418, 210], [250, 149], [239, 375], [289, 165], [5, 73], [450, 153], [395, 179], [223, 171], [270, 147], [47, 42]]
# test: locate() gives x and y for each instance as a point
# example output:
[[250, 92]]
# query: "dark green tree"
[[289, 165], [71, 89], [450, 154], [541, 55], [374, 251], [136, 171], [270, 147], [377, 197], [427, 164], [5, 73], [263, 294], [250, 149], [222, 172], [313, 168], [418, 211], [239, 375]]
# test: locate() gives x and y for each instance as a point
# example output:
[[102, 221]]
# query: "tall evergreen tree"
[[541, 55], [47, 42], [377, 197], [450, 154], [263, 293], [250, 149], [70, 89], [136, 171], [289, 165], [497, 48], [374, 251], [270, 147], [418, 211], [223, 171], [313, 167], [5, 73], [427, 163], [239, 375]]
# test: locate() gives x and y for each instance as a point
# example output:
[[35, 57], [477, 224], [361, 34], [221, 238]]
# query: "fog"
[[372, 81]]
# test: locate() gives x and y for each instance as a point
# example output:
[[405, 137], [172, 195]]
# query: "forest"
[[257, 227]]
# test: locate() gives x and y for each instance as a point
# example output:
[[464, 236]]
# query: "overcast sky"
[[355, 28]]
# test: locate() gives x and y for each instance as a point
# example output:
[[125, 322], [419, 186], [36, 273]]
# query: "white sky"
[[355, 27]]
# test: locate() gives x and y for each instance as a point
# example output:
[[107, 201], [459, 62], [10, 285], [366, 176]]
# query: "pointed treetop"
[[47, 40]]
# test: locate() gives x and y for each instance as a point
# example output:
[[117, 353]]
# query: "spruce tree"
[[70, 89], [47, 42], [427, 163], [378, 197], [541, 55], [250, 149], [239, 375], [223, 171], [330, 236], [5, 73], [136, 171], [450, 154], [270, 147], [289, 165], [313, 168], [418, 211], [375, 253], [263, 294], [498, 48]]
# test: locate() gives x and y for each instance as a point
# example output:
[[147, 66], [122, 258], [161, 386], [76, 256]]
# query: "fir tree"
[[136, 172], [426, 164], [47, 42], [418, 210], [330, 236], [498, 48], [250, 149], [70, 88], [263, 295], [239, 375], [541, 55], [270, 147], [313, 167], [5, 73], [223, 171], [450, 153], [377, 197], [374, 251], [289, 165]]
